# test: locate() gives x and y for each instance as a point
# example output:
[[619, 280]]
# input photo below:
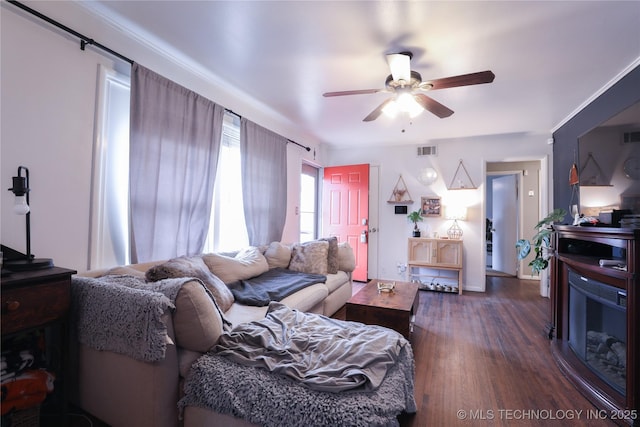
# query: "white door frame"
[[519, 207], [374, 221], [544, 193]]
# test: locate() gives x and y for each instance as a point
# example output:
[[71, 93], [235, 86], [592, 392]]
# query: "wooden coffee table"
[[394, 310]]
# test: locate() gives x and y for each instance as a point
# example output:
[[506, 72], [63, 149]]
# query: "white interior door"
[[505, 224]]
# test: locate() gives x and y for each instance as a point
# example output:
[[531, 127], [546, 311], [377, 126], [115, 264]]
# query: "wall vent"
[[428, 150], [630, 137]]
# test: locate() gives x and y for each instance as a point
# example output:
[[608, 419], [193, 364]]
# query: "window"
[[109, 238], [227, 229], [109, 241], [308, 203]]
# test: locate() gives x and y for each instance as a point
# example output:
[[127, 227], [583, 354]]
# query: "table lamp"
[[456, 213], [21, 207]]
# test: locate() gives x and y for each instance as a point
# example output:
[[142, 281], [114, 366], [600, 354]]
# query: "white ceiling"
[[549, 58]]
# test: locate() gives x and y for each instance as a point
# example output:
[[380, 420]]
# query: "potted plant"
[[541, 241], [414, 217]]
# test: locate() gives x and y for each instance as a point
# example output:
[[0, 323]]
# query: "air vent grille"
[[428, 150], [630, 137]]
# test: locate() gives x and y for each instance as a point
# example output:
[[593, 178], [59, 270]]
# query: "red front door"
[[345, 210]]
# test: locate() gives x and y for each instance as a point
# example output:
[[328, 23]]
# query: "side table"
[[40, 300]]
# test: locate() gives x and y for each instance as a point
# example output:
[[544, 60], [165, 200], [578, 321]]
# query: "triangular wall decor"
[[400, 194], [458, 182]]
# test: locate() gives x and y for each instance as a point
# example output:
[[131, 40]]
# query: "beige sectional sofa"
[[123, 391]]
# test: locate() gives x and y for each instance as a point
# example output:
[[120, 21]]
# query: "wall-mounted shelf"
[[458, 182], [400, 194]]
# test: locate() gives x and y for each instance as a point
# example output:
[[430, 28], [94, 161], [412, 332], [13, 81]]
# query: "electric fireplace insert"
[[598, 328]]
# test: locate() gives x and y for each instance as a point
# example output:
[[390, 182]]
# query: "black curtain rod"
[[288, 140], [84, 41]]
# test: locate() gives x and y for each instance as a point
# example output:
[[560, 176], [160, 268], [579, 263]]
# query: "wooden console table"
[[439, 255]]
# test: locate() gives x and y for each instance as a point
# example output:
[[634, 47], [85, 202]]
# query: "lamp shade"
[[456, 212]]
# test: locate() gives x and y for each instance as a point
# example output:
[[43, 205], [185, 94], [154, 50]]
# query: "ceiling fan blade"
[[433, 106], [352, 92], [376, 113], [461, 80], [400, 66]]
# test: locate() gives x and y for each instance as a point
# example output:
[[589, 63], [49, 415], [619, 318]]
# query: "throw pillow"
[[246, 264], [332, 258], [278, 255], [125, 271], [196, 321], [346, 257], [193, 267], [310, 257]]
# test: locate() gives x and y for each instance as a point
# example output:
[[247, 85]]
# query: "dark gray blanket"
[[273, 285], [324, 354], [217, 383]]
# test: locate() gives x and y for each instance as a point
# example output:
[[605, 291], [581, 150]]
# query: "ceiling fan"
[[407, 85]]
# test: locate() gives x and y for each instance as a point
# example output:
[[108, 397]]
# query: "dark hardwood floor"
[[484, 359]]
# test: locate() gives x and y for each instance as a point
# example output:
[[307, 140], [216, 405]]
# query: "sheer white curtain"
[[264, 182], [175, 143]]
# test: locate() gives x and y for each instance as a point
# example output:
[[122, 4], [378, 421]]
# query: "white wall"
[[48, 90], [48, 100], [395, 161]]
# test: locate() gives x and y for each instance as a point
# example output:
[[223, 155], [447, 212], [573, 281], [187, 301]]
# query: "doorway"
[[503, 212], [345, 211], [527, 208]]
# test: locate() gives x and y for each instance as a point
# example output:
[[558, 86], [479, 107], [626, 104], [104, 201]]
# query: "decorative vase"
[[416, 233]]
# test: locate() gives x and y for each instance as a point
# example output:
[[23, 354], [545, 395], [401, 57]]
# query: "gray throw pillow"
[[332, 257], [310, 257], [193, 267]]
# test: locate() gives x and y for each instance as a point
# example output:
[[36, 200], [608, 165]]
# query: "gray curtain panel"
[[175, 143], [264, 182]]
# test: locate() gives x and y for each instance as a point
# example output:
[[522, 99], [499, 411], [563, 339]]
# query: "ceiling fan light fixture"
[[391, 109], [407, 103]]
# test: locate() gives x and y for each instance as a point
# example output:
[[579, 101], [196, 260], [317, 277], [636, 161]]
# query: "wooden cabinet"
[[35, 301], [436, 264], [606, 261]]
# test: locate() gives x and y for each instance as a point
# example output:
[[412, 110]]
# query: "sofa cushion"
[[310, 257], [334, 281], [246, 264], [346, 257], [193, 267], [332, 256], [196, 321], [278, 255]]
